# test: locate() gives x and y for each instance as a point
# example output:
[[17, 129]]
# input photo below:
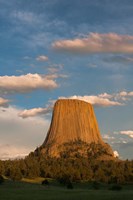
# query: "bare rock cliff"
[[73, 121]]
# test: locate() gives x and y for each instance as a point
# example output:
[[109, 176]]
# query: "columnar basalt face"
[[72, 120]]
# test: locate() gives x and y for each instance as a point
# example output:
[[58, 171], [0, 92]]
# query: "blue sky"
[[52, 49]]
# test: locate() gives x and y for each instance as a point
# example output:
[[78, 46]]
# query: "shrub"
[[69, 185], [1, 179], [116, 187], [45, 182], [95, 185], [64, 180]]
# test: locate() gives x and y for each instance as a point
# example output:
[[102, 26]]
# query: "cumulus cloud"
[[19, 137], [96, 43], [120, 143], [105, 99], [4, 102], [127, 132], [34, 112], [123, 95], [125, 149], [95, 100], [42, 58], [106, 95], [116, 154], [101, 100], [26, 83], [126, 94]]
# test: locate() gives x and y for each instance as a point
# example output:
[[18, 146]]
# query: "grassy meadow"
[[32, 189]]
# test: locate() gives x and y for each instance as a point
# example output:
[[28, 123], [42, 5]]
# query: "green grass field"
[[11, 190]]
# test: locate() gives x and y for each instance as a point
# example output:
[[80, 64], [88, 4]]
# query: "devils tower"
[[74, 129]]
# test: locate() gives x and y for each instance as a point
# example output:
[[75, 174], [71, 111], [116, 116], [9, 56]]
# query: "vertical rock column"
[[72, 120]]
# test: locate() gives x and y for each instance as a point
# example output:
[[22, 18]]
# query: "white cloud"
[[4, 102], [127, 132], [34, 112], [19, 136], [123, 95], [26, 83], [96, 43], [130, 93], [126, 94], [107, 137], [101, 100], [116, 154], [106, 95], [42, 58], [95, 100]]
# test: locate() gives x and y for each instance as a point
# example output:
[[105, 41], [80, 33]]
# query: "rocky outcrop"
[[73, 122]]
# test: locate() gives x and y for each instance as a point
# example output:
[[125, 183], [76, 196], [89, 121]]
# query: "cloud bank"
[[100, 100], [95, 100], [26, 83], [96, 43]]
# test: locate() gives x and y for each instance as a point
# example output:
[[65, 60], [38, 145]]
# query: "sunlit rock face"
[[73, 126]]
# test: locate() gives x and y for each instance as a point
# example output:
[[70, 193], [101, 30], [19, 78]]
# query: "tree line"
[[72, 168]]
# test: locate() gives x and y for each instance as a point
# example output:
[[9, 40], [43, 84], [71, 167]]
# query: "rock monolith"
[[74, 128]]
